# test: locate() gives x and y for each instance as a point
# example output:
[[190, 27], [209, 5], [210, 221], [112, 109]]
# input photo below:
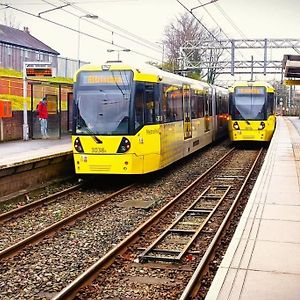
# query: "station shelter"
[[59, 98], [291, 70]]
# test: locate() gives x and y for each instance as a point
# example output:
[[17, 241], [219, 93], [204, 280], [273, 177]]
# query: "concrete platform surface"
[[263, 258], [17, 152]]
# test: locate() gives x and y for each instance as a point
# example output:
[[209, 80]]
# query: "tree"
[[187, 30], [184, 28], [282, 92]]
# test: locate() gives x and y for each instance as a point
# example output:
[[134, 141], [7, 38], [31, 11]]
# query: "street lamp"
[[78, 45], [118, 51]]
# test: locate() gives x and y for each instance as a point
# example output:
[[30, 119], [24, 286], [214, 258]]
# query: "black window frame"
[[149, 93]]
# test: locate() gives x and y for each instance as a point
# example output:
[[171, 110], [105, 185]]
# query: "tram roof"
[[267, 85], [144, 68]]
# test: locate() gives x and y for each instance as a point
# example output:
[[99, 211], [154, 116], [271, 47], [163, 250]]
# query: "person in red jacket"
[[43, 117]]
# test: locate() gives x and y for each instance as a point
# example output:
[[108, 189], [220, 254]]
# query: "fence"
[[66, 67], [12, 57]]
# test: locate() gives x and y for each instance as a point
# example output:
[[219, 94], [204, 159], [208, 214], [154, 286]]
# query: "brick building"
[[18, 46]]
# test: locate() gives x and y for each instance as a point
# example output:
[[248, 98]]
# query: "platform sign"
[[39, 71], [292, 82]]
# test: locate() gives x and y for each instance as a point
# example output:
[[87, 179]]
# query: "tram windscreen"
[[249, 103], [102, 102]]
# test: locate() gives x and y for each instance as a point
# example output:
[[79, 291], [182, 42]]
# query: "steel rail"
[[20, 210], [91, 273], [209, 214], [12, 250], [194, 281]]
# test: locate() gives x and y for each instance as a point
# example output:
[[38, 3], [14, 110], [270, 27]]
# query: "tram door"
[[187, 120], [207, 108]]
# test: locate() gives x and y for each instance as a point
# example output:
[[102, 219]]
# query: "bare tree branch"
[[187, 29]]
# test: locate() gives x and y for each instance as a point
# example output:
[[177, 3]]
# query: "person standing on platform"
[[43, 117]]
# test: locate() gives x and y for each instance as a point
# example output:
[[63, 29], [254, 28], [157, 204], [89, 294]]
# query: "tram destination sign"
[[250, 90], [108, 78]]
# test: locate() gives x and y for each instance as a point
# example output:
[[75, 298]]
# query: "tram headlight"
[[236, 126], [77, 145], [261, 126], [124, 145]]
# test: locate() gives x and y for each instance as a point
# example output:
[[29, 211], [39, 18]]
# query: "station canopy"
[[291, 66]]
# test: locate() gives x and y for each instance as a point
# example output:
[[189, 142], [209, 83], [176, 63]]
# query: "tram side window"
[[231, 106], [223, 109], [218, 104], [207, 109], [210, 105], [164, 105], [146, 103], [197, 104], [270, 104], [172, 104], [194, 104], [151, 103], [139, 105], [175, 104]]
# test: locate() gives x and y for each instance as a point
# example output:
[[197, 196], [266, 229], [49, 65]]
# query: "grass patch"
[[10, 73], [14, 73]]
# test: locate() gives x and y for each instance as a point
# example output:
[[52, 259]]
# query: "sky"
[[145, 21]]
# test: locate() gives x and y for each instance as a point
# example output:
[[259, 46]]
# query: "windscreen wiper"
[[118, 86], [93, 135], [242, 117], [247, 121]]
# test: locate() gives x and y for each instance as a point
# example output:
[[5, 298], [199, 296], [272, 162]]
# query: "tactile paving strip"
[[296, 149]]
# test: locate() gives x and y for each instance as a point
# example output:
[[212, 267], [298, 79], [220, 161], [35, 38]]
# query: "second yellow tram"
[[251, 111]]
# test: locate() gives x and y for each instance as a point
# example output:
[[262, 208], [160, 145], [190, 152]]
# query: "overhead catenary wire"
[[74, 2], [210, 15], [231, 22], [75, 30], [225, 15], [137, 40], [210, 33], [201, 23], [214, 20], [116, 27], [134, 38]]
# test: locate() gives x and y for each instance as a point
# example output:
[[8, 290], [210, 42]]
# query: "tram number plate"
[[98, 150]]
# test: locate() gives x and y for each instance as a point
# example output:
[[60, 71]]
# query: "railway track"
[[58, 259], [23, 226], [160, 258], [13, 213]]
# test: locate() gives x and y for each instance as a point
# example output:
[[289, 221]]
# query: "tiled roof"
[[24, 39]]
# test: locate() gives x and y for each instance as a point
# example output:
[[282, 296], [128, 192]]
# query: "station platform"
[[20, 152], [263, 258]]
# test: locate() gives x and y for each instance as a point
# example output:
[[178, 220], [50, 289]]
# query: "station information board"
[[39, 71]]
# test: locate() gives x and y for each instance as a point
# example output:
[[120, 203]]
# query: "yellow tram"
[[251, 111], [138, 119]]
